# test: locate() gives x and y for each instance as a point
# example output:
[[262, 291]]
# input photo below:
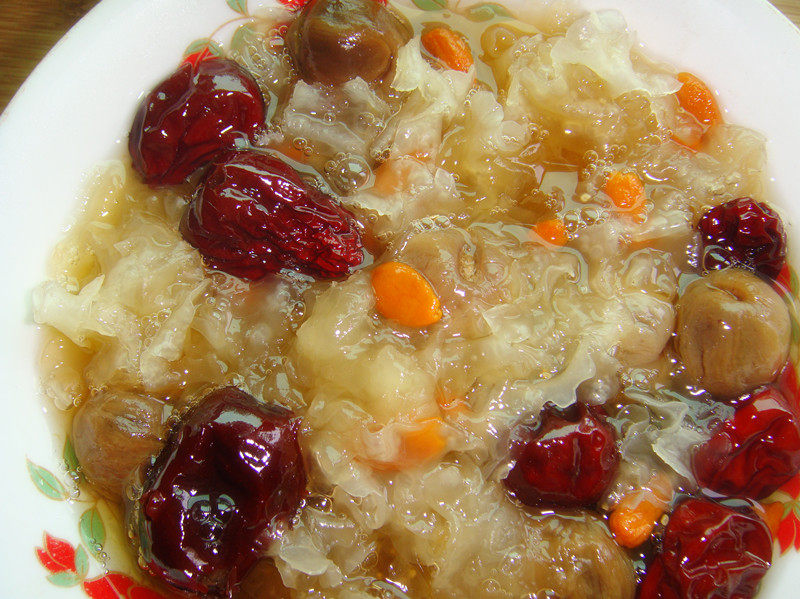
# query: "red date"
[[753, 453], [253, 215], [709, 551], [746, 233], [228, 475], [567, 458], [191, 116]]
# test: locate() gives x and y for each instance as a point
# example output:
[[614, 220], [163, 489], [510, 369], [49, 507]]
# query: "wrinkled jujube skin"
[[230, 475], [657, 583], [254, 215], [191, 116], [566, 457], [710, 551], [746, 233], [753, 453]]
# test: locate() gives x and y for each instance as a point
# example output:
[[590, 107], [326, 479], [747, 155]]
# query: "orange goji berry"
[[633, 519], [697, 99], [552, 231], [449, 47], [424, 443], [420, 442], [626, 190], [402, 294]]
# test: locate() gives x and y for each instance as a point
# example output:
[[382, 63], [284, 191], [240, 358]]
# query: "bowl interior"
[[75, 111]]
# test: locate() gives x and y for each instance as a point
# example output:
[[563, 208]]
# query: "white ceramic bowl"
[[75, 110]]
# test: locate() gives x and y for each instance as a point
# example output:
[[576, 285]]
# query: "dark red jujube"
[[567, 457], [753, 453], [198, 111], [658, 584], [229, 474], [254, 215], [746, 233], [709, 551]]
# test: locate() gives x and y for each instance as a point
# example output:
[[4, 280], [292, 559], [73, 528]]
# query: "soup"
[[391, 302]]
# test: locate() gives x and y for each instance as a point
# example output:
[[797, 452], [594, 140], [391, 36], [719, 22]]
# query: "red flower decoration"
[[57, 555], [787, 281], [792, 488], [788, 533], [197, 57], [116, 585], [782, 514], [294, 4]]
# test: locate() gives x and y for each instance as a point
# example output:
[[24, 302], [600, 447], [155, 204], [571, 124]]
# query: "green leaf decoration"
[[65, 579], [486, 12], [203, 45], [239, 6], [795, 329], [70, 458], [93, 531], [430, 4], [780, 497], [242, 37], [46, 482], [81, 562], [794, 284]]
